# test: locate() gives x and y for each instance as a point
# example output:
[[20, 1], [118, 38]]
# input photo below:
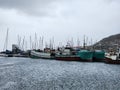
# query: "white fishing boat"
[[112, 57], [43, 55], [3, 55]]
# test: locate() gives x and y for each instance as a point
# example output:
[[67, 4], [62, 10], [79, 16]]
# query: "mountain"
[[111, 42]]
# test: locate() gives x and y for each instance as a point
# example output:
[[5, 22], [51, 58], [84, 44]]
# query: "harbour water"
[[41, 74]]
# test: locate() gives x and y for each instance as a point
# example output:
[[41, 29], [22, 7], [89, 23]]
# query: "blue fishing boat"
[[98, 55]]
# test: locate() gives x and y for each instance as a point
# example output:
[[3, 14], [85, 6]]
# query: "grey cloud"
[[23, 3], [40, 7], [28, 4], [94, 18]]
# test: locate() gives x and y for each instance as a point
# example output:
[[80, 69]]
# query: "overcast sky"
[[61, 19]]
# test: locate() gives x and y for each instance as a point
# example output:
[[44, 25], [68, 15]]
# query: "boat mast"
[[42, 43], [50, 44], [78, 42], [72, 42], [35, 41], [23, 43], [53, 43], [30, 43], [91, 44], [39, 43], [6, 40], [19, 41], [84, 42]]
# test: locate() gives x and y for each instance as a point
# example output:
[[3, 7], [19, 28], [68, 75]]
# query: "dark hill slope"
[[111, 42]]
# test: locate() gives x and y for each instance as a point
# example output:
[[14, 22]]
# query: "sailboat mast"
[[35, 41], [78, 42], [23, 43], [30, 43], [53, 44], [19, 41], [42, 43], [84, 42], [6, 40]]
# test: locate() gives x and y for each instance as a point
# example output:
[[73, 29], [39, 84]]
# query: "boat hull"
[[6, 55], [71, 58], [67, 58], [3, 55], [42, 55], [85, 55], [111, 61], [96, 59], [98, 56]]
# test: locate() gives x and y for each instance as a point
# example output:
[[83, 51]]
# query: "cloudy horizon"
[[61, 19]]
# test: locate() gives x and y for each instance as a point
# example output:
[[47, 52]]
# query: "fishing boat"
[[6, 53], [3, 55], [43, 55], [85, 55], [66, 54], [98, 56], [113, 58]]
